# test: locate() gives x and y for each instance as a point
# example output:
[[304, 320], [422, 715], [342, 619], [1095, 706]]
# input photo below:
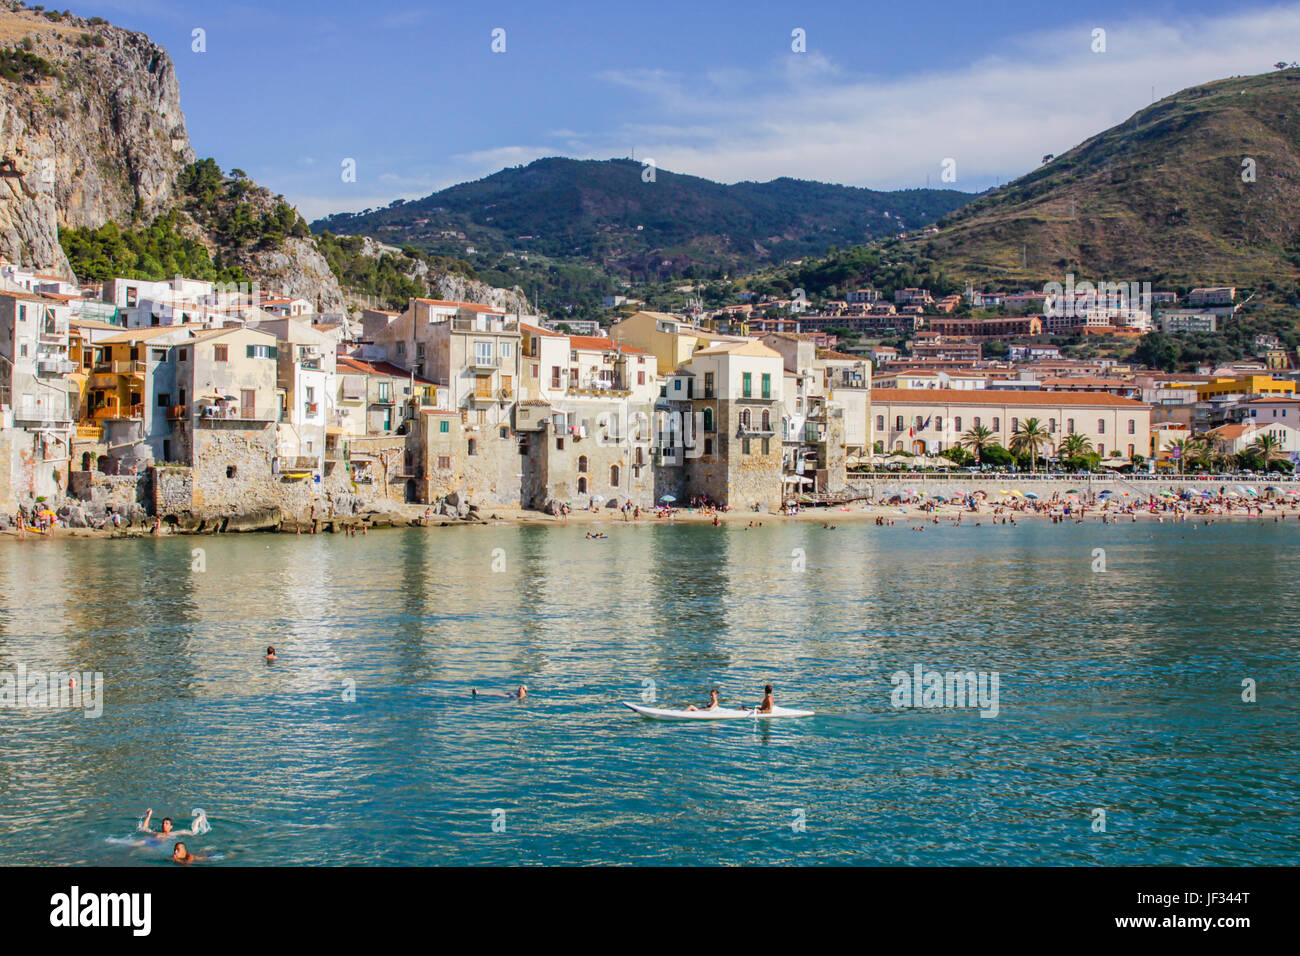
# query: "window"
[[767, 385], [507, 350], [231, 471], [880, 423], [744, 419], [613, 476], [158, 355], [559, 444], [444, 426], [164, 398], [582, 486], [767, 421], [956, 423], [1015, 424], [385, 391], [640, 378], [1101, 450], [1132, 428], [260, 351], [473, 446], [1130, 451], [248, 402], [220, 353], [744, 446], [938, 422], [555, 376], [747, 385], [767, 446], [184, 355], [1069, 426], [1051, 426], [1101, 426], [977, 422], [708, 420], [708, 446], [401, 350], [997, 423], [482, 353], [582, 463], [503, 432], [444, 461], [898, 423], [708, 384]]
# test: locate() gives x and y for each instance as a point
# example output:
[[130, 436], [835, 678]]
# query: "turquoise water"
[[1118, 690]]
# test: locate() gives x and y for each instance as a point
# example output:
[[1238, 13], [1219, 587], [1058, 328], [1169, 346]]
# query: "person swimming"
[[181, 854], [521, 693], [167, 828], [712, 704], [270, 653]]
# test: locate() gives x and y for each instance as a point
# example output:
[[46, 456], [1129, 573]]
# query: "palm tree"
[[977, 439], [1268, 449], [1185, 448], [1074, 445], [1028, 439], [1212, 449]]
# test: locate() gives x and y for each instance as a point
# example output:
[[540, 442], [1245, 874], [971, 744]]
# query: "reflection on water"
[[1119, 690]]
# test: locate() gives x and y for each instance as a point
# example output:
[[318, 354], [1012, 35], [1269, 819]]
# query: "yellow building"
[[672, 340], [1244, 385]]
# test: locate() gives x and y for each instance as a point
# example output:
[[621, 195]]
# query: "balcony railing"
[[207, 414], [490, 325], [485, 362], [121, 367]]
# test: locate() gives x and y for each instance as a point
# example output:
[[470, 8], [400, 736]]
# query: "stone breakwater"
[[170, 497]]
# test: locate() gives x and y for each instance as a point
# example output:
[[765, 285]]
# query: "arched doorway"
[[582, 486]]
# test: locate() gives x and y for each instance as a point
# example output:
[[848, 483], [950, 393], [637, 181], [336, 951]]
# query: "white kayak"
[[719, 713]]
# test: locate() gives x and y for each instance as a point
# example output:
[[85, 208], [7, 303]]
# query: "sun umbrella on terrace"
[[669, 498]]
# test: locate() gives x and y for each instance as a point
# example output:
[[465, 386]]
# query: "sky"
[[883, 95]]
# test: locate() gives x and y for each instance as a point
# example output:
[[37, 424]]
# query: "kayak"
[[720, 713]]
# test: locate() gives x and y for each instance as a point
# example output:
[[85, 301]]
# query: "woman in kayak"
[[713, 702]]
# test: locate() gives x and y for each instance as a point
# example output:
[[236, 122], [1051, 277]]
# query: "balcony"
[[177, 411], [87, 431], [121, 367], [486, 362], [54, 365], [485, 397], [117, 411], [214, 413]]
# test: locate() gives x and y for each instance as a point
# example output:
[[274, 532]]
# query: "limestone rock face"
[[102, 137]]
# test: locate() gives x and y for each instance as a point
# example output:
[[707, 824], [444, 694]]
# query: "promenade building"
[[927, 421]]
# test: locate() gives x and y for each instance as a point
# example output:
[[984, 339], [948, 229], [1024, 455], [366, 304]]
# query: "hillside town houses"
[[226, 394]]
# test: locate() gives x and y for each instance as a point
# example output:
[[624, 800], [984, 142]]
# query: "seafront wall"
[[1141, 486]]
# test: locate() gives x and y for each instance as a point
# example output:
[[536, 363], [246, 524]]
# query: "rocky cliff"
[[91, 131], [96, 135]]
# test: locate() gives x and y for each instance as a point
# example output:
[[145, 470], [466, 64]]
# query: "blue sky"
[[882, 96]]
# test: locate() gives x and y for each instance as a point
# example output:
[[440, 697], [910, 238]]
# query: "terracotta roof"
[[538, 330], [347, 363], [472, 306], [1230, 431], [600, 343], [988, 396], [832, 354]]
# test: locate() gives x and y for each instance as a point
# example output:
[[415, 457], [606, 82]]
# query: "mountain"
[[98, 178], [1161, 195], [605, 212]]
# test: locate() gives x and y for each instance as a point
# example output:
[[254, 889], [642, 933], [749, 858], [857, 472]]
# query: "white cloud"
[[808, 117]]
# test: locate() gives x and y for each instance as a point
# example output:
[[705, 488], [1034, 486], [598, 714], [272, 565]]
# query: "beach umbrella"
[[1030, 494], [1072, 491], [669, 498]]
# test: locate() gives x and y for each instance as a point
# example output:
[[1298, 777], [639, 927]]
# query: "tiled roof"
[[988, 396]]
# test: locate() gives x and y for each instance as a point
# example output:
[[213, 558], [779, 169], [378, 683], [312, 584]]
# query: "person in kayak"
[[712, 704], [768, 702]]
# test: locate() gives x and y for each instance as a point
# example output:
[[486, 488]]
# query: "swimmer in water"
[[521, 693], [166, 830], [270, 653], [182, 855]]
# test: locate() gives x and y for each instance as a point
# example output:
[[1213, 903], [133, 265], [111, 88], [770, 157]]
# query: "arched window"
[[613, 476], [880, 423], [1101, 426], [708, 419], [744, 418], [956, 423], [582, 486], [582, 463], [767, 420]]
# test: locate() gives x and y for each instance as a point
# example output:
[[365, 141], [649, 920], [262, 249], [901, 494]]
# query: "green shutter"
[[250, 350]]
